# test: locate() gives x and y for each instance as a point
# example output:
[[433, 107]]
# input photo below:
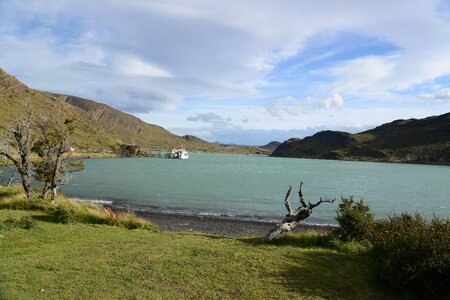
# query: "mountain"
[[266, 149], [414, 140], [101, 128], [271, 146]]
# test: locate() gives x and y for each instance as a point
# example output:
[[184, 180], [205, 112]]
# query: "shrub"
[[355, 220], [410, 252], [112, 217], [129, 220], [63, 214], [25, 222]]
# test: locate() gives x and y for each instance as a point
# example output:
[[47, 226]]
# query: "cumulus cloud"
[[134, 66], [212, 118], [334, 101], [291, 106], [361, 75], [147, 56], [443, 94]]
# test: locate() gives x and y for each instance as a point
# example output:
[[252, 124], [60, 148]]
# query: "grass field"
[[67, 261], [100, 261]]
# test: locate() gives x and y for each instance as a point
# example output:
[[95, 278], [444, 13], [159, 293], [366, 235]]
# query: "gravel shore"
[[215, 225]]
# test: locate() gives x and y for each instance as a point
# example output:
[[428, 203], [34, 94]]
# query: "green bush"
[[25, 222], [63, 214], [355, 220], [410, 252]]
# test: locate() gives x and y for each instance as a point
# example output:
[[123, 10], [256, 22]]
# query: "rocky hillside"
[[100, 127], [414, 140], [271, 146]]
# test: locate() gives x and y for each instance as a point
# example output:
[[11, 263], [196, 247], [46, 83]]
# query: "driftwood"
[[294, 216]]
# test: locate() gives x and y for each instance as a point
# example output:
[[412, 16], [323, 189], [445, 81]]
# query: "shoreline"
[[215, 225]]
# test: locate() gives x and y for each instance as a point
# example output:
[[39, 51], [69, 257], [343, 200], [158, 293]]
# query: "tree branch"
[[10, 157], [300, 195], [322, 200], [286, 201]]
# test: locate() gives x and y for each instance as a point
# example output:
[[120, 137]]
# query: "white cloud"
[[361, 75], [291, 106], [156, 56], [209, 118], [134, 66], [443, 94], [334, 101]]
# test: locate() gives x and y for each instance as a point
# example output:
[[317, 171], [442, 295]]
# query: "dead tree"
[[54, 148], [294, 216], [18, 145]]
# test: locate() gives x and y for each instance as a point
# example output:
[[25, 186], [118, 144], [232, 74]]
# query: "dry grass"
[[65, 210]]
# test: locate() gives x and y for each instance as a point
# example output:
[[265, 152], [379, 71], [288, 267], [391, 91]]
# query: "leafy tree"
[[355, 220]]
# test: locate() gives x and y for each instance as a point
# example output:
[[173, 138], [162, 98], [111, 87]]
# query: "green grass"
[[55, 261], [10, 192], [42, 259]]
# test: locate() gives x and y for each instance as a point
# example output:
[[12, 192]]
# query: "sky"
[[246, 72]]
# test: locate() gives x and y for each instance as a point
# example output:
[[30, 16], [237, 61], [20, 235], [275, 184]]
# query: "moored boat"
[[179, 154]]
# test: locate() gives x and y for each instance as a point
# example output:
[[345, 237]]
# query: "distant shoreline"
[[90, 155]]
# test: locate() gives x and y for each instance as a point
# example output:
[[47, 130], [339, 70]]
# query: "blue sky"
[[243, 72]]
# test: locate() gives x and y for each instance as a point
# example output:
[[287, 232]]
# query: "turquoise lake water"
[[250, 186]]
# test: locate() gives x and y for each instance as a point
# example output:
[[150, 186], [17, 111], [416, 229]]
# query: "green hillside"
[[100, 127], [415, 140]]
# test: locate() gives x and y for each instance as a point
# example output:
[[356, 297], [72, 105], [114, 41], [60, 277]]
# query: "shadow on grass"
[[2, 294], [332, 275], [303, 240], [45, 218]]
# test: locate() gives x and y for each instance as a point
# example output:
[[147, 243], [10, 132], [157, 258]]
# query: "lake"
[[253, 187]]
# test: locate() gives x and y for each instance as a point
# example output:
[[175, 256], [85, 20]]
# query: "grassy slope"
[[103, 262], [100, 126]]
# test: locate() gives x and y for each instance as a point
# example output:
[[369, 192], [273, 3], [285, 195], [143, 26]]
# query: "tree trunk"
[[55, 175], [53, 194], [26, 184], [45, 189]]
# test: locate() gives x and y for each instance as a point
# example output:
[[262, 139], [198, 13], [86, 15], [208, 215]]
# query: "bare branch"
[[322, 200], [286, 201], [10, 157], [300, 195]]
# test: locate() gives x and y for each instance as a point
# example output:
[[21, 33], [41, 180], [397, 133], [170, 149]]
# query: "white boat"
[[179, 154]]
